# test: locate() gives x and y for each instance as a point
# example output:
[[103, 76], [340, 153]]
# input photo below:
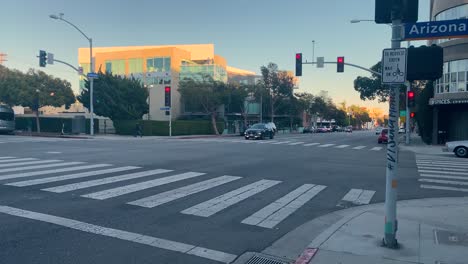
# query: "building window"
[[116, 67], [135, 65], [159, 64], [455, 78], [108, 67], [457, 12]]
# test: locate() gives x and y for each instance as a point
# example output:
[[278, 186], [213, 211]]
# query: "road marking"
[[114, 192], [53, 152], [14, 160], [326, 145], [122, 235], [28, 163], [358, 196], [41, 166], [311, 144], [443, 172], [92, 183], [442, 168], [444, 182], [36, 173], [342, 146], [359, 147], [296, 143], [70, 176], [267, 142], [435, 187], [169, 196], [274, 213], [1, 158], [452, 164], [222, 202], [281, 142], [376, 148], [444, 177]]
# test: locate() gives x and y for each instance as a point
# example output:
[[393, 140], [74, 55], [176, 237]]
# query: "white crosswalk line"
[[444, 177], [436, 187], [311, 144], [4, 165], [442, 165], [365, 197], [359, 147], [267, 142], [281, 142], [274, 213], [452, 164], [326, 145], [41, 166], [114, 192], [15, 160], [444, 172], [36, 173], [342, 146], [70, 176], [445, 182], [442, 168], [1, 158], [352, 195], [222, 202], [376, 148], [296, 143], [358, 196], [92, 183], [169, 196]]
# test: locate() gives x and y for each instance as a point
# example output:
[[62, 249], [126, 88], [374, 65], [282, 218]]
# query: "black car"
[[259, 131]]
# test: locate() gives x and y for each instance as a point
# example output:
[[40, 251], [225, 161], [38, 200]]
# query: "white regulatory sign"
[[394, 66]]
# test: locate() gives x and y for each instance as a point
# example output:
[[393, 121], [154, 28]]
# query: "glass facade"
[[158, 64], [458, 12], [135, 65], [116, 67], [196, 72], [454, 79]]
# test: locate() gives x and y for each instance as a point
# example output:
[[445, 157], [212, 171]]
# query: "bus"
[[7, 119]]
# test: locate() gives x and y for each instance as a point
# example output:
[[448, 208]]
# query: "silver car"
[[460, 148], [7, 119]]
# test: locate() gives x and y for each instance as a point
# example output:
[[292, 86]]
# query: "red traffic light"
[[298, 56], [167, 89], [412, 114], [340, 59], [410, 95]]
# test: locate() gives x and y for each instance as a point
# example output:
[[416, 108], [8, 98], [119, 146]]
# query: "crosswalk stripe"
[[452, 164], [1, 158], [444, 181], [359, 147], [441, 165], [444, 177], [442, 168], [296, 143], [358, 196], [14, 160], [376, 148], [41, 166], [274, 213], [28, 163], [114, 192], [442, 161], [36, 173], [70, 176], [281, 142], [267, 142], [92, 183], [443, 172], [311, 144], [221, 202], [326, 145], [342, 146], [445, 188], [169, 196]]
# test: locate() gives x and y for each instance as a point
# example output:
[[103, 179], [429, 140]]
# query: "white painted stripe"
[[267, 142], [311, 144], [222, 202], [41, 166], [376, 148], [444, 177], [92, 183], [53, 152], [352, 195], [169, 196], [1, 158], [441, 165], [122, 235], [326, 145], [442, 168], [4, 165], [445, 182], [14, 160], [365, 197], [443, 172], [114, 192], [281, 142], [359, 147], [342, 146], [435, 187], [36, 173], [274, 213], [70, 176], [296, 143]]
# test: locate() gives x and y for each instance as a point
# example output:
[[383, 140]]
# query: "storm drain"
[[265, 259]]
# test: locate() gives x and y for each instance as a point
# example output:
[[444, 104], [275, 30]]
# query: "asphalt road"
[[252, 193]]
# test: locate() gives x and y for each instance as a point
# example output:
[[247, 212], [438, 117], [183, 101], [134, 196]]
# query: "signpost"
[[168, 108], [394, 66], [457, 28]]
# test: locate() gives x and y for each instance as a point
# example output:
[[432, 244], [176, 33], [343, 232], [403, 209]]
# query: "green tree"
[[116, 97]]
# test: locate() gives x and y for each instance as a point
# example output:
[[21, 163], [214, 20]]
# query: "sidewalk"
[[419, 147], [433, 230]]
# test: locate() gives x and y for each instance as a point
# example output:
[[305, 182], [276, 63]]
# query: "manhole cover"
[[265, 259]]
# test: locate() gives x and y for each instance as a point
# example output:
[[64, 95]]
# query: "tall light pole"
[[91, 69]]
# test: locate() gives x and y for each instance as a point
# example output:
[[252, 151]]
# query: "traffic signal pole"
[[407, 130]]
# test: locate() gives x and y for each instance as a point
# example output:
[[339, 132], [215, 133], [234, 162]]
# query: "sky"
[[248, 33]]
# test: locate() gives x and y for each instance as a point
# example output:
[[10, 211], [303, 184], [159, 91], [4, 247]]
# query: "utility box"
[[79, 125]]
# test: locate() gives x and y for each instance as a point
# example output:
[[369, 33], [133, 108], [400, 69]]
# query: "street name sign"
[[457, 28], [166, 108], [394, 66], [92, 75]]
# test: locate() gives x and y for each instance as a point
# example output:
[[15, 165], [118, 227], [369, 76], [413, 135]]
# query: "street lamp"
[[91, 69], [354, 21]]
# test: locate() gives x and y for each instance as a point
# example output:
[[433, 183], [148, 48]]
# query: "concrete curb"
[[54, 136]]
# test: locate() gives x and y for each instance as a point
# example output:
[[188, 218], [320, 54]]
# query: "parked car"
[[383, 137], [349, 129], [378, 130], [271, 126], [402, 130], [259, 131], [460, 148], [7, 119], [310, 129], [322, 130]]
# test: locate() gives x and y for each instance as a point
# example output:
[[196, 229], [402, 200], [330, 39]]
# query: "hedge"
[[161, 128], [51, 124]]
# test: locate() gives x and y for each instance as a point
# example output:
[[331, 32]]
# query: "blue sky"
[[248, 33]]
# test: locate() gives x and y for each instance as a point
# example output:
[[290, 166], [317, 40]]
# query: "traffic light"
[[42, 58], [298, 64], [411, 102], [386, 10], [425, 63], [412, 114], [340, 64]]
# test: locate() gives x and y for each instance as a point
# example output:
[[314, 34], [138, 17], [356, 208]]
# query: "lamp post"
[[91, 69]]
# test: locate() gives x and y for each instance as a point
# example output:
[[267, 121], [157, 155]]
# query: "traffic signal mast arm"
[[349, 64], [71, 66]]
